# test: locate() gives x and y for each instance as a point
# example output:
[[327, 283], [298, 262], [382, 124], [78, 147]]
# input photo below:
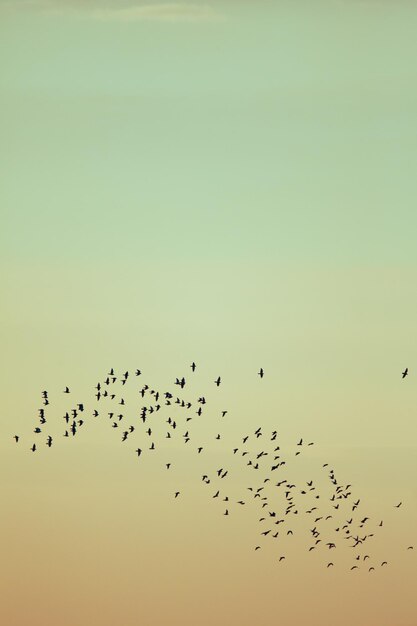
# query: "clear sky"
[[227, 182]]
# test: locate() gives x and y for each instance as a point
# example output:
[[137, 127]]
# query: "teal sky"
[[278, 133]]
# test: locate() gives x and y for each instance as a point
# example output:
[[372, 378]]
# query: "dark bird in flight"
[[66, 390], [177, 493], [329, 564], [397, 506], [49, 441], [193, 366], [218, 381], [16, 438], [138, 451], [261, 373], [384, 563], [33, 448], [404, 373]]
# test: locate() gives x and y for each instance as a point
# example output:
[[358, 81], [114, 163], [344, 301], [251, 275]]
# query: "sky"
[[230, 183]]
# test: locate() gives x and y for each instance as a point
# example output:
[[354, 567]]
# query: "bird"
[[404, 373], [256, 461], [397, 506]]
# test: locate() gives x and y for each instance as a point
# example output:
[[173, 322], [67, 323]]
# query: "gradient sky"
[[226, 182]]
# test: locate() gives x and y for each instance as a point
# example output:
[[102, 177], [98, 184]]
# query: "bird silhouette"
[[271, 458]]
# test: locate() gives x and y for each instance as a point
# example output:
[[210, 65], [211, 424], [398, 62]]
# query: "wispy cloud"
[[125, 11], [159, 12]]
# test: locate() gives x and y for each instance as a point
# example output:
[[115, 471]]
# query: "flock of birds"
[[333, 519]]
